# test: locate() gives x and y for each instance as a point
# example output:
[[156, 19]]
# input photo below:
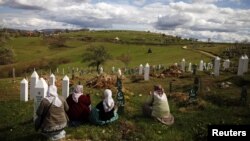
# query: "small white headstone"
[[140, 69], [113, 69], [183, 63], [159, 66], [217, 66], [241, 66], [33, 81], [226, 64], [146, 72], [14, 75], [204, 65], [57, 70], [65, 87], [101, 70], [119, 72], [201, 65], [176, 64], [246, 60], [24, 90], [52, 79], [190, 67], [40, 92]]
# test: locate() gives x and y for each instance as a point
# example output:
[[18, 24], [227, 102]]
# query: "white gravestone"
[[140, 69], [65, 87], [159, 66], [226, 64], [217, 66], [190, 67], [240, 66], [24, 90], [183, 63], [57, 70], [210, 66], [119, 72], [101, 70], [201, 65], [113, 69], [205, 65], [146, 72], [33, 82], [40, 92], [14, 75], [245, 67], [52, 79]]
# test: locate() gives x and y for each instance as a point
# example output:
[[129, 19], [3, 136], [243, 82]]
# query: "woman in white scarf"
[[53, 110], [106, 106], [108, 102], [77, 93], [52, 94]]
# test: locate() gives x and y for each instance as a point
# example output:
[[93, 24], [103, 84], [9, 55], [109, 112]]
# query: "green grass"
[[220, 106]]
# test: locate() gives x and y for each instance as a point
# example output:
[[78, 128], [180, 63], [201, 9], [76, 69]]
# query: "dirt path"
[[206, 53]]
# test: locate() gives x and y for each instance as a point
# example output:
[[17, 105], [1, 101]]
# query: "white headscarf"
[[51, 94], [77, 93], [108, 102]]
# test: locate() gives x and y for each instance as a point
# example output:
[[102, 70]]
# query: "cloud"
[[205, 20], [198, 19], [205, 1], [172, 21]]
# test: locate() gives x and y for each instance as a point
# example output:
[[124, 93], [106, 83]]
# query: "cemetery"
[[201, 90]]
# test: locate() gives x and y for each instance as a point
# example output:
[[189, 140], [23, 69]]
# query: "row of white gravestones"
[[243, 65], [39, 87], [203, 65]]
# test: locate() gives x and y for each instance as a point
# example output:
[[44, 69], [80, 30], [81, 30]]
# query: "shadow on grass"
[[220, 100]]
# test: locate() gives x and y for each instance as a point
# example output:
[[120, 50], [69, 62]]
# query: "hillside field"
[[215, 105]]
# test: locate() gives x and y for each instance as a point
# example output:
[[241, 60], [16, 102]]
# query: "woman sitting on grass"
[[157, 106], [79, 106], [106, 106], [104, 112], [52, 108]]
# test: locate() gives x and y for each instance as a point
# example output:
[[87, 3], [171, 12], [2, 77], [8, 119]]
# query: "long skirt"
[[147, 111]]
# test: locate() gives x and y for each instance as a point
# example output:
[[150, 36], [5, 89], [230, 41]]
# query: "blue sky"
[[220, 20]]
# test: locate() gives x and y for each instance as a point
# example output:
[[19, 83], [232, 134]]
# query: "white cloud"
[[201, 19]]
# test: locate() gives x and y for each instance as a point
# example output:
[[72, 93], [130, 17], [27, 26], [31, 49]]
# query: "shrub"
[[6, 55]]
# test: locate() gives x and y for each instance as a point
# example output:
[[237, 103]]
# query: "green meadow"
[[215, 105]]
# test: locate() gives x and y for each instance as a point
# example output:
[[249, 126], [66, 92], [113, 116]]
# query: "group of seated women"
[[76, 110]]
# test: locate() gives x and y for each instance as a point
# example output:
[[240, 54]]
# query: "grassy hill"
[[34, 52], [215, 105]]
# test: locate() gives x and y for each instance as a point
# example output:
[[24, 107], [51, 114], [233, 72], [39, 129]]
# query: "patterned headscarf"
[[77, 93]]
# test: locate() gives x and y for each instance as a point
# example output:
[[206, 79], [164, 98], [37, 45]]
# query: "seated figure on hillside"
[[157, 106], [52, 108], [79, 106], [104, 112]]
